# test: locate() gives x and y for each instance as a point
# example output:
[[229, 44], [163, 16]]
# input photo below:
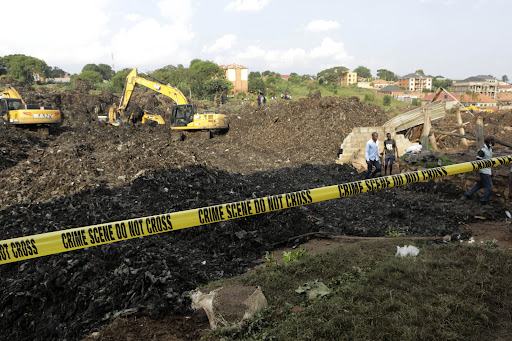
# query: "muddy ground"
[[89, 173]]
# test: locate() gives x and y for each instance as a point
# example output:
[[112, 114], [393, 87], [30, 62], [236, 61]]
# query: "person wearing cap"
[[371, 153], [484, 175]]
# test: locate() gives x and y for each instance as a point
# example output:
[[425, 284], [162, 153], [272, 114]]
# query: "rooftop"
[[391, 88], [442, 97], [415, 75], [476, 98]]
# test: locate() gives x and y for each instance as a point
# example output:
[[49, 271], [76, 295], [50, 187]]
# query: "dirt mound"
[[66, 296]]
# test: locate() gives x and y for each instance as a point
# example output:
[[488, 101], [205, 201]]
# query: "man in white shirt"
[[371, 154], [484, 176]]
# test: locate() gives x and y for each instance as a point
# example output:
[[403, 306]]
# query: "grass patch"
[[447, 292]]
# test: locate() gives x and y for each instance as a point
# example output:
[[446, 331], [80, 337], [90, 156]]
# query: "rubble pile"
[[91, 173], [497, 123]]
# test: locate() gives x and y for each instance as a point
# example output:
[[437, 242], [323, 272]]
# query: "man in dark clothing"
[[389, 152], [484, 176]]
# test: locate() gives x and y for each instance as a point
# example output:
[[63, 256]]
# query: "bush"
[[369, 98], [386, 100]]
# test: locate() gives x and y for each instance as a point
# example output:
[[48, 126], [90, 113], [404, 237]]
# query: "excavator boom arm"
[[133, 79], [11, 93]]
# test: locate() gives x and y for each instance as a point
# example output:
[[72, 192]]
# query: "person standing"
[[259, 101], [484, 176], [264, 101], [389, 153], [371, 154]]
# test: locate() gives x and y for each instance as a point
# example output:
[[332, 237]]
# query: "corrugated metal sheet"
[[416, 117]]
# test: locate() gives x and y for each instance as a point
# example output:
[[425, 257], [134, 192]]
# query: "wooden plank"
[[498, 141], [479, 131], [461, 127]]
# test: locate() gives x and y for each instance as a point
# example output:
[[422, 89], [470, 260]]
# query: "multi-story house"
[[238, 75], [415, 82], [348, 78], [485, 85]]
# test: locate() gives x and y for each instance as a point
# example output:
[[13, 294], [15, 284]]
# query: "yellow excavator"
[[473, 108], [14, 110], [183, 115]]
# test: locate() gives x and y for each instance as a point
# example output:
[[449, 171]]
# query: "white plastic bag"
[[407, 250]]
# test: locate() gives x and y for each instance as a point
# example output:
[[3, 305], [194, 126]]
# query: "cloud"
[[329, 53], [177, 10], [246, 5], [154, 50], [224, 43], [133, 17], [330, 49], [322, 25], [59, 34]]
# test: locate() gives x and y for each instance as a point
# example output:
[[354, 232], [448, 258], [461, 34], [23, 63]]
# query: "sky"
[[451, 38]]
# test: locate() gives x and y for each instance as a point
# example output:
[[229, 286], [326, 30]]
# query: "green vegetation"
[[205, 81], [363, 72], [447, 292]]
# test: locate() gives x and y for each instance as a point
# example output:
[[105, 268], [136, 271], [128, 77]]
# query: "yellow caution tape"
[[17, 249]]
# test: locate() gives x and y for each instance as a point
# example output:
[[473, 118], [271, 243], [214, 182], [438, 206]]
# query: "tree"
[[91, 67], [56, 72], [386, 75], [332, 75], [23, 68], [254, 74], [92, 76], [294, 78], [256, 85], [265, 73], [363, 72], [386, 100], [504, 78], [273, 79], [217, 88], [442, 82], [106, 71], [207, 69], [119, 80], [420, 72]]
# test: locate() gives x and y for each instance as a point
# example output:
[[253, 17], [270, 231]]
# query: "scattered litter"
[[407, 250], [314, 289]]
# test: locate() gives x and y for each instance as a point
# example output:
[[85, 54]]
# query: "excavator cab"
[[182, 115], [8, 104]]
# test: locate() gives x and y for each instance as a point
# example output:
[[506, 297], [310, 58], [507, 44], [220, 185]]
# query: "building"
[[348, 78], [505, 88], [505, 100], [380, 83], [391, 90], [450, 99], [479, 101], [285, 77], [238, 75], [415, 82], [484, 85]]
